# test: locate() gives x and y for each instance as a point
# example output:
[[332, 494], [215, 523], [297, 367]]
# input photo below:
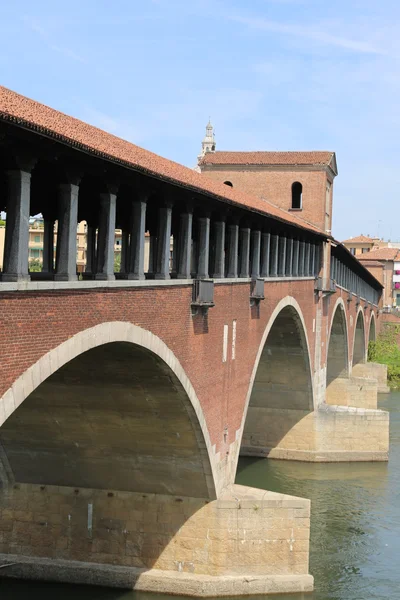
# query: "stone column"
[[301, 259], [289, 257], [219, 250], [312, 260], [135, 266], [255, 253], [244, 252], [163, 242], [307, 267], [295, 258], [185, 245], [106, 237], [233, 251], [203, 248], [266, 244], [282, 256], [90, 268], [16, 246], [48, 246], [274, 255], [67, 232]]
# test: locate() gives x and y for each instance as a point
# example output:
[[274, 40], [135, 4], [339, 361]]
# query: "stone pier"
[[246, 542]]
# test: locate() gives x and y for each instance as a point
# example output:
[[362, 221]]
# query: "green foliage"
[[385, 350], [2, 223], [117, 262], [35, 266]]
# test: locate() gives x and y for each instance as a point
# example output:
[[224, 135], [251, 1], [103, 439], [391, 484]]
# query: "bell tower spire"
[[208, 143]]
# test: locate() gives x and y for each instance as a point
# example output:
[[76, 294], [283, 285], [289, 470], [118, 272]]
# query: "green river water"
[[355, 527]]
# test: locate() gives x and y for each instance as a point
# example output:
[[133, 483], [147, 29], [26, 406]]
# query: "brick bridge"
[[127, 398]]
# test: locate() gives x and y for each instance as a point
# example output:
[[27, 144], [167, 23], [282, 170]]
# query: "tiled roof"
[[38, 117], [305, 158], [371, 263], [359, 240], [382, 254]]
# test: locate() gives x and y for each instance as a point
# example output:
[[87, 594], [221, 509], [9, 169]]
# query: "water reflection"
[[355, 533]]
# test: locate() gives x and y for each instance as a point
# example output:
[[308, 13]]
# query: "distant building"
[[294, 181], [362, 244], [384, 264], [36, 242]]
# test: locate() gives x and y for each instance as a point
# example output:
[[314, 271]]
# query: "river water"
[[355, 527]]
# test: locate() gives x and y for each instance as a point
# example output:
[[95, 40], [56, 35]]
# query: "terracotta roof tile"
[[359, 240], [371, 263], [28, 113], [310, 158], [382, 254]]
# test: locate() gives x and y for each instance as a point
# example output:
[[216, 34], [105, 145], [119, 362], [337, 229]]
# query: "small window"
[[297, 195], [353, 251], [228, 183], [34, 253], [37, 239], [365, 250]]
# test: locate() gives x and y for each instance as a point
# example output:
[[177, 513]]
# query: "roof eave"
[[28, 125]]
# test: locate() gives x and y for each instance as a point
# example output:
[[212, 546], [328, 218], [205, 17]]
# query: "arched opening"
[[108, 456], [228, 183], [297, 195], [359, 352], [115, 417], [372, 329], [337, 365], [282, 391]]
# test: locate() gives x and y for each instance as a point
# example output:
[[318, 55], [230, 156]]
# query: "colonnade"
[[204, 244], [352, 282]]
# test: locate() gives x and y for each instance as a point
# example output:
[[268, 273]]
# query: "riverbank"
[[386, 350]]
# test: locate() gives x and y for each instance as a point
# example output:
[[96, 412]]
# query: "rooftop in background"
[[304, 158], [382, 254], [32, 115], [359, 240]]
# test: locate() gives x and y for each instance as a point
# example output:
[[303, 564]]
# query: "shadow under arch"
[[337, 362], [372, 328], [359, 350], [110, 408], [281, 391]]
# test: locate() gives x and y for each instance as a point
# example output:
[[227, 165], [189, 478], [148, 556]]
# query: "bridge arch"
[[372, 328], [359, 347], [337, 360], [280, 392], [123, 345]]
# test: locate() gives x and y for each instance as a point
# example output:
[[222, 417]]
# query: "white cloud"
[[310, 33]]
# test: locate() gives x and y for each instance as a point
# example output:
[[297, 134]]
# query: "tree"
[[35, 265], [117, 262]]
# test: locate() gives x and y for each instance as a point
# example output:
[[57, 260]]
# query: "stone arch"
[[280, 393], [372, 328], [114, 341], [359, 349], [337, 360]]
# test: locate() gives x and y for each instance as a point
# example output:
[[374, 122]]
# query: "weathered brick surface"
[[33, 323], [276, 186]]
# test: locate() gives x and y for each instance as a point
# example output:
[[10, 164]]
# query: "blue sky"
[[272, 74]]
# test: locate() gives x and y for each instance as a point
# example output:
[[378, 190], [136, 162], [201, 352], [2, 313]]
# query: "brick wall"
[[276, 187]]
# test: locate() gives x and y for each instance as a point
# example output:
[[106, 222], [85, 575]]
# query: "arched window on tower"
[[228, 183], [297, 195]]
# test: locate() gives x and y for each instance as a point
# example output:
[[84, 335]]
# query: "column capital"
[[23, 161], [71, 174], [111, 188]]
